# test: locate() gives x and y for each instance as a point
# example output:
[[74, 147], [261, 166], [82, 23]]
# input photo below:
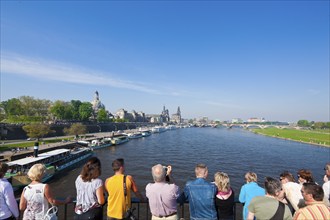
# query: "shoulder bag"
[[51, 213], [129, 215]]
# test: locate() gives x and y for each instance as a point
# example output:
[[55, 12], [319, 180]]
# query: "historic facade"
[[176, 118], [97, 104]]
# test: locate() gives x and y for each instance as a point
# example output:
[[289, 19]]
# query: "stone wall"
[[15, 132]]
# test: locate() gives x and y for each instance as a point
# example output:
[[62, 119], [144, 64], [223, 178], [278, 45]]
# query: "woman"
[[249, 190], [90, 189], [36, 195], [305, 176], [225, 197], [8, 204]]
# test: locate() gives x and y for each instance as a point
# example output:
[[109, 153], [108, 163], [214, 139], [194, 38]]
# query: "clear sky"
[[220, 59]]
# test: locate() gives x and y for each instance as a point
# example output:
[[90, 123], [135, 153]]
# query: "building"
[[165, 115], [255, 120], [96, 104], [236, 120], [176, 118]]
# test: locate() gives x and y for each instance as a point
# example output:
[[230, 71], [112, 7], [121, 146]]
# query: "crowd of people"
[[281, 198]]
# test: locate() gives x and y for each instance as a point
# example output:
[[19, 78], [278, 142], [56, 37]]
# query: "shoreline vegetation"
[[314, 137]]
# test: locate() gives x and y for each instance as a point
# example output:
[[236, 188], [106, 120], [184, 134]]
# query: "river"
[[234, 151]]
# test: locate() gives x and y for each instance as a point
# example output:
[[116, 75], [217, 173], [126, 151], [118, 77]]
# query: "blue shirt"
[[248, 191], [201, 197]]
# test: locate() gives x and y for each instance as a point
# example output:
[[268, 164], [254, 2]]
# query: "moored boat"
[[55, 161], [135, 135], [119, 140]]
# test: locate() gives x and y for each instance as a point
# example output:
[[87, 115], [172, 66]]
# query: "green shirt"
[[265, 207]]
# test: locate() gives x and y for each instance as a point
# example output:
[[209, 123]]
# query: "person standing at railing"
[[326, 184], [90, 191], [201, 195], [249, 190], [162, 195], [8, 204], [114, 185], [268, 206], [35, 196], [225, 198]]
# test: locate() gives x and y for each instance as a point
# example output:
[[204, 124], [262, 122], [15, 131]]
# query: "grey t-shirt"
[[86, 194], [265, 207]]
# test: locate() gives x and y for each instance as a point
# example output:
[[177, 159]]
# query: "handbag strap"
[[125, 192]]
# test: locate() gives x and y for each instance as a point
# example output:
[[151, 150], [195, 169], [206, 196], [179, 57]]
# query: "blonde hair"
[[36, 172], [251, 177], [222, 181]]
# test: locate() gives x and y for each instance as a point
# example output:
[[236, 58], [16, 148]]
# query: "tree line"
[[26, 109], [313, 125]]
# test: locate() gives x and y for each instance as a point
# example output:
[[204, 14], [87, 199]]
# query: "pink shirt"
[[162, 198]]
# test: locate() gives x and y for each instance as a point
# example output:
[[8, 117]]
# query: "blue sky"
[[220, 59]]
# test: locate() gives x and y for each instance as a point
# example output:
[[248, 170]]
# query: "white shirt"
[[326, 189], [8, 204], [293, 194]]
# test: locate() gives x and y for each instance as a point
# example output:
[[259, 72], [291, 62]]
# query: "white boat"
[[146, 133], [158, 129], [98, 144], [119, 140], [135, 135], [55, 161]]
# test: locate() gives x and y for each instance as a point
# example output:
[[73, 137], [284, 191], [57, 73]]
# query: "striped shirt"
[[313, 211]]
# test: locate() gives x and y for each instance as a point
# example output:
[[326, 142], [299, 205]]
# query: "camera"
[[165, 168]]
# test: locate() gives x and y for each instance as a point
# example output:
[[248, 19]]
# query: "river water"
[[234, 151]]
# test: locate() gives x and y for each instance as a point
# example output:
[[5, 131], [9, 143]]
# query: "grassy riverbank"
[[319, 137]]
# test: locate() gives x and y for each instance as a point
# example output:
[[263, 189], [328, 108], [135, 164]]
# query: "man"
[[326, 184], [292, 190], [162, 196], [117, 202], [268, 206], [316, 209], [201, 196]]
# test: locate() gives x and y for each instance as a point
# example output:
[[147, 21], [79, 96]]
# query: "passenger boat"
[[135, 135], [158, 129], [98, 144], [55, 161], [119, 140], [146, 133]]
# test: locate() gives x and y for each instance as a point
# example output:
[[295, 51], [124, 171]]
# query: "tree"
[[76, 129], [61, 110], [319, 125], [37, 130], [85, 111], [303, 123], [102, 115], [13, 107], [75, 104]]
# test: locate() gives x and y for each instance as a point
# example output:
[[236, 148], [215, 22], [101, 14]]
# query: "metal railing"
[[142, 210]]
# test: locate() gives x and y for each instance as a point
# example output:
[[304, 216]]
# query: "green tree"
[[76, 129], [13, 107], [37, 130], [319, 125], [303, 123], [75, 104], [102, 115], [85, 111], [62, 110]]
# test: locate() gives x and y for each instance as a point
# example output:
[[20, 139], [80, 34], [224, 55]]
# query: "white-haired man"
[[162, 195]]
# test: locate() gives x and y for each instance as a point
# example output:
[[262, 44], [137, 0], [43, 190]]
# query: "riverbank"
[[319, 138]]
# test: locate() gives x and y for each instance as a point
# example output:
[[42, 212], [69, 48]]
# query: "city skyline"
[[219, 59]]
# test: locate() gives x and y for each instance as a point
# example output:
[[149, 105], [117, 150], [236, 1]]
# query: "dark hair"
[[306, 175], [3, 169], [116, 164], [91, 170], [314, 189], [288, 176], [272, 186]]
